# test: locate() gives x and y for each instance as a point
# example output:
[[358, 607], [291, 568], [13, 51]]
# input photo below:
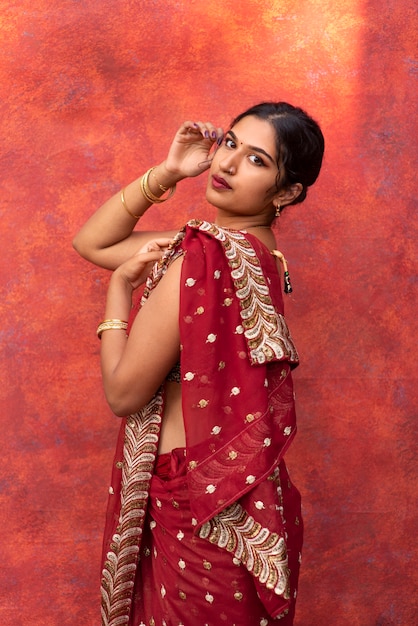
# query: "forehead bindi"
[[255, 134]]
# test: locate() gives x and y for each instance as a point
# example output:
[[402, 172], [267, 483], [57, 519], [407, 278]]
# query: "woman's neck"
[[242, 223]]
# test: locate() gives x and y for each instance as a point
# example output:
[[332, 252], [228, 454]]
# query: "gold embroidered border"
[[263, 552], [266, 331], [159, 269], [118, 575]]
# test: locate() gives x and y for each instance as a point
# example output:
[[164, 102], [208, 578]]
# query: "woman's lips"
[[219, 183]]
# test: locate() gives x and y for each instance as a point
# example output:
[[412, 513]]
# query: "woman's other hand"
[[135, 270]]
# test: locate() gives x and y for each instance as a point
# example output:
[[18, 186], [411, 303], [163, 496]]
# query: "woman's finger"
[[158, 244], [148, 256], [206, 129]]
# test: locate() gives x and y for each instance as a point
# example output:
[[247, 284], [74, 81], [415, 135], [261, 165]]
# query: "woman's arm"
[[133, 368], [107, 238]]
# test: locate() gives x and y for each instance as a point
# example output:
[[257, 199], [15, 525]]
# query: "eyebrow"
[[260, 150]]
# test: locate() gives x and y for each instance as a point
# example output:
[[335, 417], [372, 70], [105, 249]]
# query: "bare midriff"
[[172, 428]]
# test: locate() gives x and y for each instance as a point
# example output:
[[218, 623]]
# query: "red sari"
[[211, 534]]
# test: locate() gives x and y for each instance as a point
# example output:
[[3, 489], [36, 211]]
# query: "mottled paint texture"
[[91, 93]]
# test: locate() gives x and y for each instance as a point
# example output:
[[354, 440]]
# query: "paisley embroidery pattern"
[[263, 552], [266, 331], [118, 575]]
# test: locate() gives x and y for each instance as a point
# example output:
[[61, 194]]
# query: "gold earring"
[[278, 209]]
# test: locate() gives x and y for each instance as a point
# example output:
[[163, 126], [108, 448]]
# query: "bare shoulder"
[[169, 285]]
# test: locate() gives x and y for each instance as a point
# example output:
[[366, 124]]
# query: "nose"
[[229, 164]]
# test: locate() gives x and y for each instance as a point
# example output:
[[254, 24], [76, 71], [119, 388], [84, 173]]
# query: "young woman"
[[204, 525]]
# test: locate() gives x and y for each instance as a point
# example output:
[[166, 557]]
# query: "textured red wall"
[[90, 95]]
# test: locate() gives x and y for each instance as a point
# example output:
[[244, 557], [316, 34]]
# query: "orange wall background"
[[90, 95]]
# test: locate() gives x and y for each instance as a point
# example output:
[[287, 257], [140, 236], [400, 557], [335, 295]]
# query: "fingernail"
[[207, 134], [213, 134]]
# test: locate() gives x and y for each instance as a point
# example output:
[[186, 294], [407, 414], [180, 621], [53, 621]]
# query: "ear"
[[287, 194]]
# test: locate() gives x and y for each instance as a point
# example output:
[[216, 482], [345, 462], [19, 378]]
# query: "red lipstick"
[[219, 183]]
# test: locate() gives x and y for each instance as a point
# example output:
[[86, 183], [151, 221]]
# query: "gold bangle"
[[111, 325], [125, 206], [163, 189], [147, 193]]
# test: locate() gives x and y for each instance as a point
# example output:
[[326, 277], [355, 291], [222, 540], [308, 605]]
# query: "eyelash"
[[229, 140]]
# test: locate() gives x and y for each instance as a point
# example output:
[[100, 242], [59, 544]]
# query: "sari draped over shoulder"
[[238, 409]]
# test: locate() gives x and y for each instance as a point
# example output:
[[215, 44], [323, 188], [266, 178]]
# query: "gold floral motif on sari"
[[262, 552], [265, 329]]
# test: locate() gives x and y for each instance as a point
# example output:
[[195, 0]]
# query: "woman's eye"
[[230, 143], [256, 160]]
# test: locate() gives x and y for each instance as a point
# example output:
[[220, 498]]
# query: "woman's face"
[[243, 172]]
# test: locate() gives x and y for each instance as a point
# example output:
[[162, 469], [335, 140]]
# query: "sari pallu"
[[239, 419]]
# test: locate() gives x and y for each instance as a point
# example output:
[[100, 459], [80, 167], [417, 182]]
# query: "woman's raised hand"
[[189, 153]]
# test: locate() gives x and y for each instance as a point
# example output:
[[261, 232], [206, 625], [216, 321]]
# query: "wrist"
[[119, 285], [167, 175], [119, 297]]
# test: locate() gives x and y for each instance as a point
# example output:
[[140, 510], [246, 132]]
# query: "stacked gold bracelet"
[[147, 193], [111, 325]]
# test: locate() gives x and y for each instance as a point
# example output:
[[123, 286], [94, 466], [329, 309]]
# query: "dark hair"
[[299, 142]]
